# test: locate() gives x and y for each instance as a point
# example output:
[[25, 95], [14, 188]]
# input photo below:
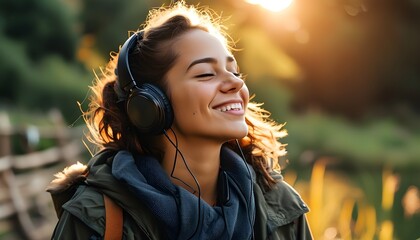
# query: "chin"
[[239, 133]]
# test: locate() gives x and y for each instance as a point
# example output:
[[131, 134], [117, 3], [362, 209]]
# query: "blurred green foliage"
[[43, 27], [371, 142], [110, 22], [38, 68]]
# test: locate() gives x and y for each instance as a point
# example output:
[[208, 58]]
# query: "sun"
[[272, 5]]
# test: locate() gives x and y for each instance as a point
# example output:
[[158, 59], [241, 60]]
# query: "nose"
[[231, 83]]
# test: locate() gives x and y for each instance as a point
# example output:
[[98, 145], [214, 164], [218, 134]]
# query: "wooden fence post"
[[9, 179], [26, 209], [5, 131]]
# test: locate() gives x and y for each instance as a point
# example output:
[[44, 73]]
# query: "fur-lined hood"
[[67, 178]]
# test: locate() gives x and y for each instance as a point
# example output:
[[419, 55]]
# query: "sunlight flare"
[[272, 5]]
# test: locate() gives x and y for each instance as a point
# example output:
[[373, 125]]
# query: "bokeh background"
[[344, 75]]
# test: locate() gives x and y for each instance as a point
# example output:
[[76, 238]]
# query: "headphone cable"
[[190, 172], [175, 161]]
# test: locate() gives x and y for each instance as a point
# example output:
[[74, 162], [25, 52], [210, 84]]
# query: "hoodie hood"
[[65, 183], [70, 176]]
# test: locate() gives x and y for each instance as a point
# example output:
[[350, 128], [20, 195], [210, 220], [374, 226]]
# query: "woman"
[[184, 153]]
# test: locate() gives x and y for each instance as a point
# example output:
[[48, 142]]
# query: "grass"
[[342, 208]]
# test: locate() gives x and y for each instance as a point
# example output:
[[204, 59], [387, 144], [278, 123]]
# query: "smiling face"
[[208, 97]]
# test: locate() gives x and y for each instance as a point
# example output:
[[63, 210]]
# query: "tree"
[[37, 56], [43, 26]]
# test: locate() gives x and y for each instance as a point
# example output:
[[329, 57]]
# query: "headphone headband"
[[125, 77]]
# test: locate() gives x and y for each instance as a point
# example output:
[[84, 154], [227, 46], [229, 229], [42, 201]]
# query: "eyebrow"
[[209, 60]]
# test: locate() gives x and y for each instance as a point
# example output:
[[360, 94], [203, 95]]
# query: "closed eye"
[[205, 75]]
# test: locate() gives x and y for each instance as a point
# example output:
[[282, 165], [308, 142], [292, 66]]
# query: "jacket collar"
[[280, 205]]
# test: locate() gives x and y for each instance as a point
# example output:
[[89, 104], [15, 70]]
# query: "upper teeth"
[[236, 106]]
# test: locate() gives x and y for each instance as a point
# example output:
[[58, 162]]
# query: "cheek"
[[187, 115], [193, 98], [185, 104]]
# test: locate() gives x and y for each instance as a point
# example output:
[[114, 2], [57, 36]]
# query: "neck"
[[202, 158]]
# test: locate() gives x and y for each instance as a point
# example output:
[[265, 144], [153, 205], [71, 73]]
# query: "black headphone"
[[147, 106]]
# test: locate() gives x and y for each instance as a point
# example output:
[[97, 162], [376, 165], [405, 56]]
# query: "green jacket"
[[279, 212]]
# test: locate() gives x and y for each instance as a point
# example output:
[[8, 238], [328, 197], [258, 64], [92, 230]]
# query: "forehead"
[[197, 43]]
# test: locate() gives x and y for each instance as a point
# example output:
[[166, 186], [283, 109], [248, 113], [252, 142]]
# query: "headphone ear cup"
[[149, 110]]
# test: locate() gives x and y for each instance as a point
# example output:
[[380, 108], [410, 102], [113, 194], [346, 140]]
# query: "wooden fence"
[[26, 210]]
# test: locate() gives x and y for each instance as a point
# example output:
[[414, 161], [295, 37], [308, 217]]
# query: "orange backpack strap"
[[113, 220]]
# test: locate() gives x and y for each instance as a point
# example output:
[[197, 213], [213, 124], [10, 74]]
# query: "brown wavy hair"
[[108, 123]]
